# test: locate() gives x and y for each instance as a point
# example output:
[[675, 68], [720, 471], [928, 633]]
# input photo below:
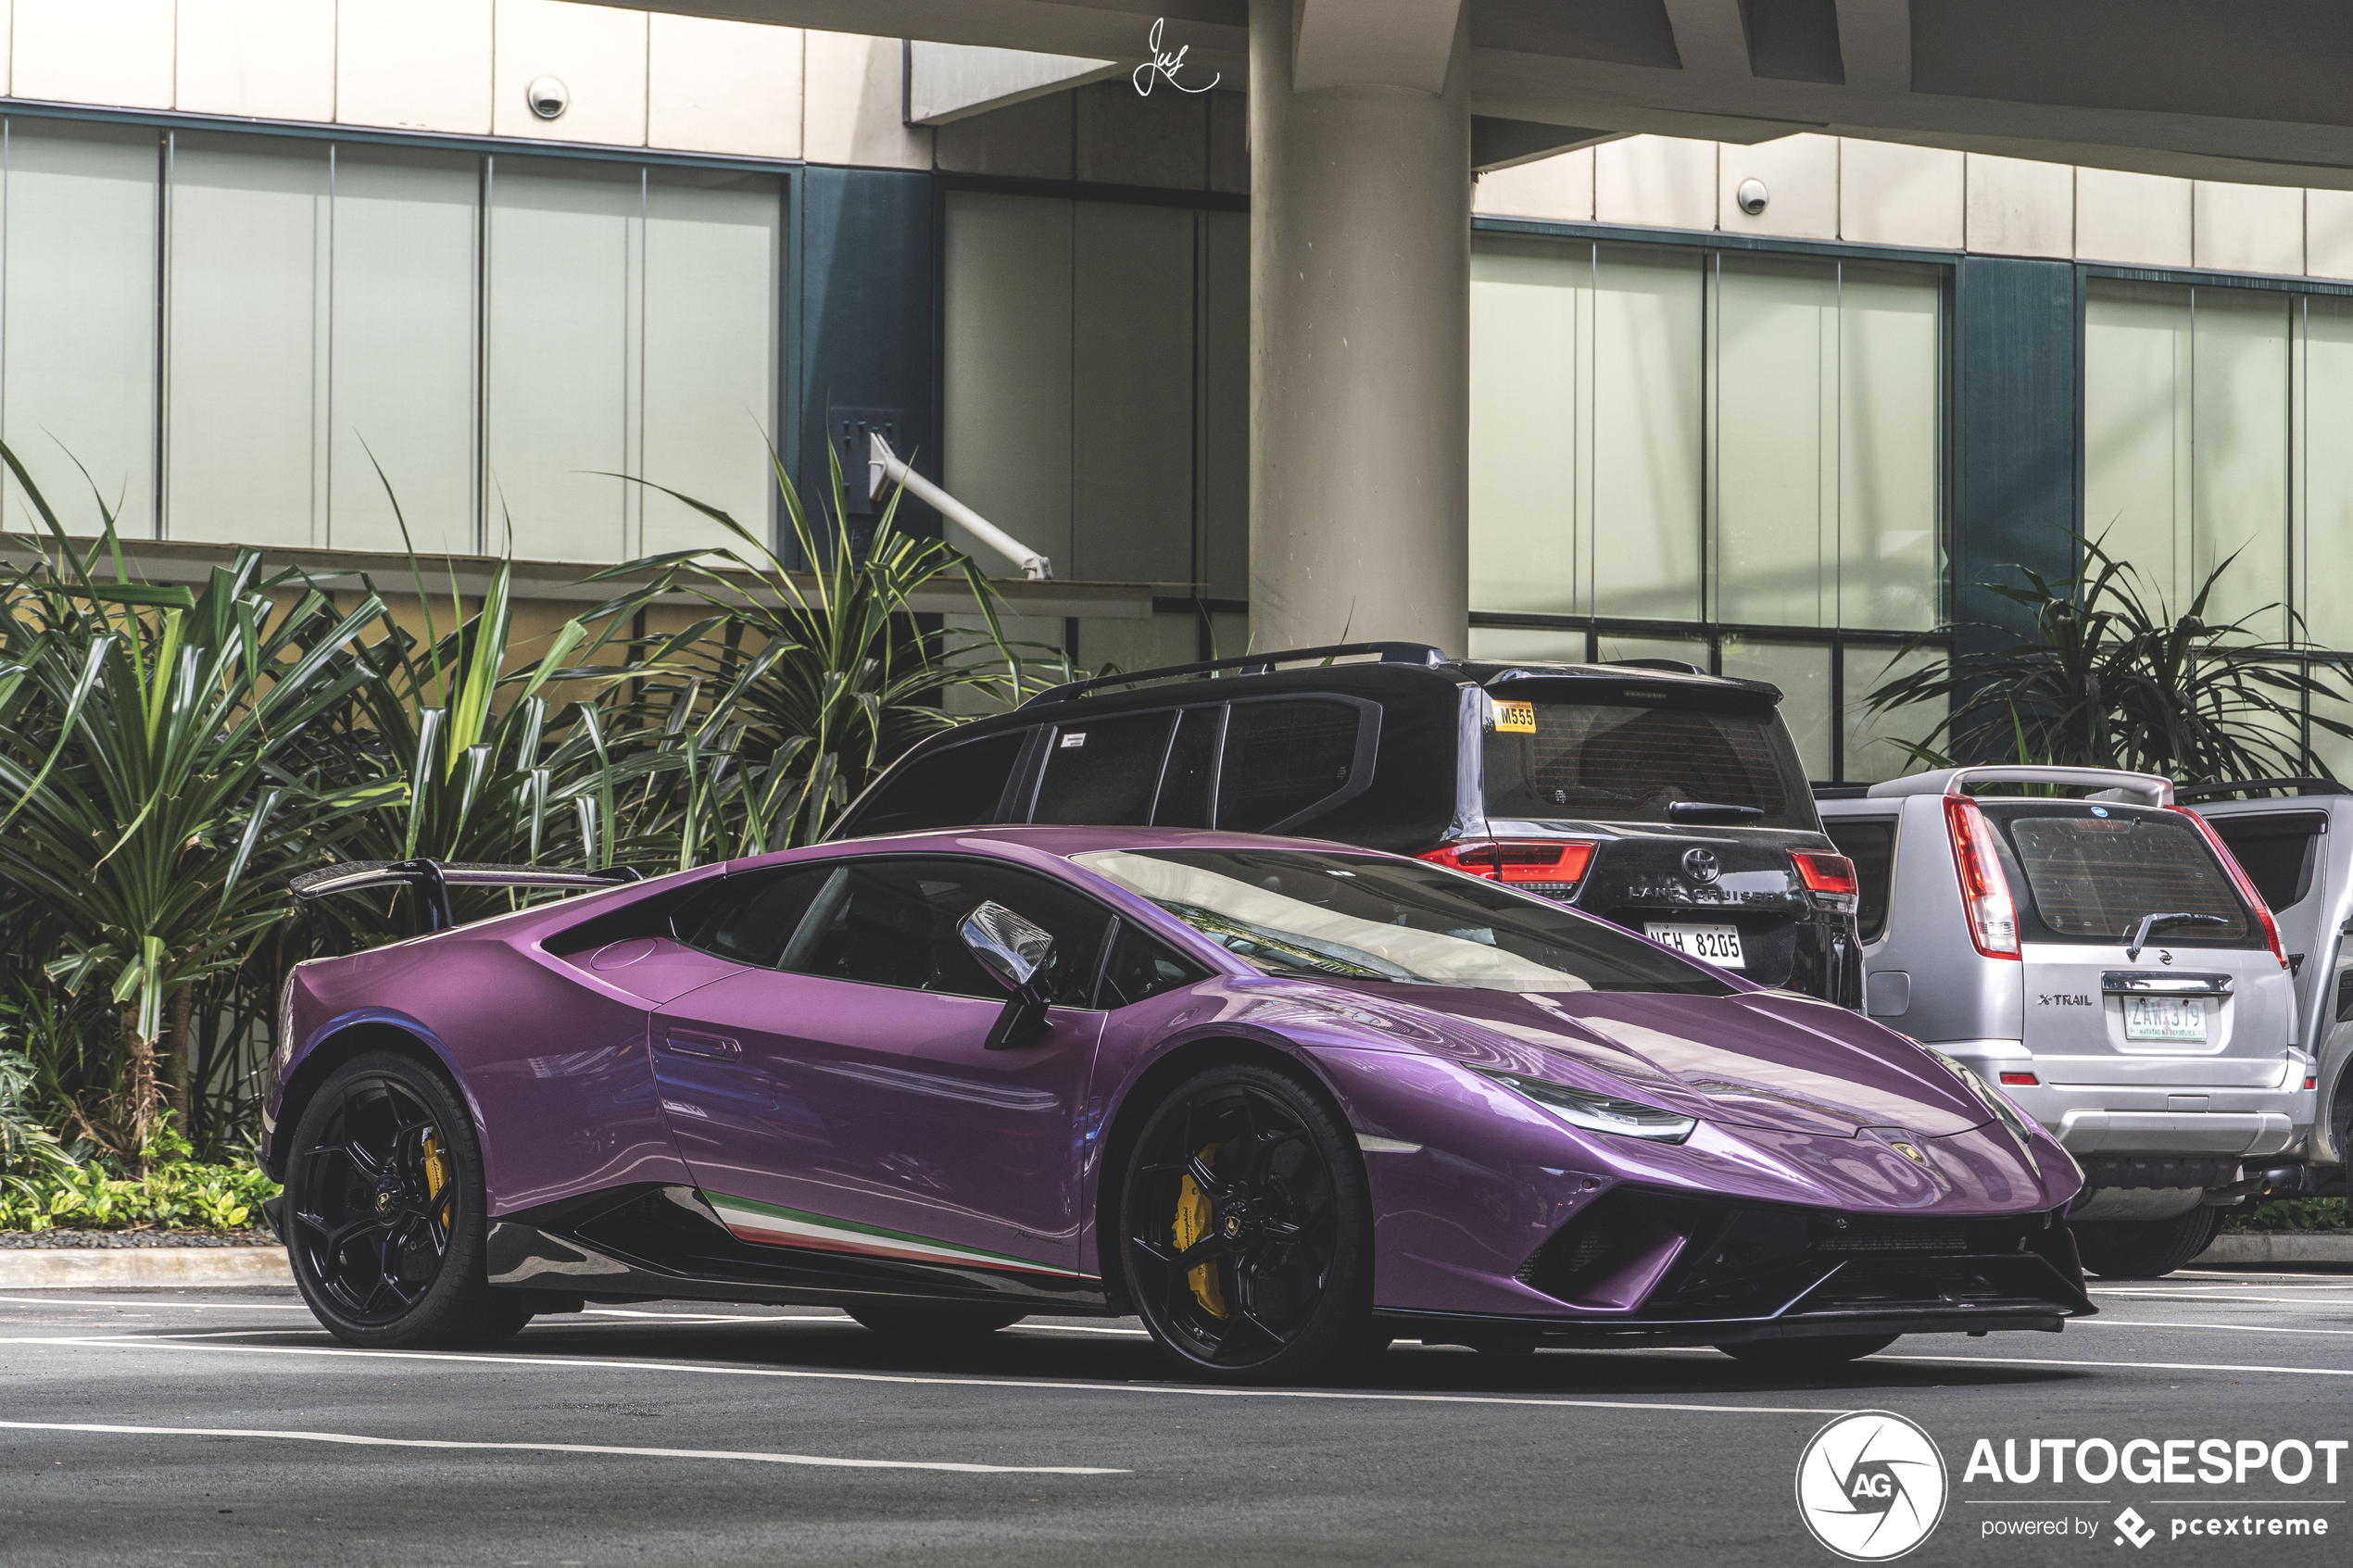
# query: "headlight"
[[1995, 1100], [1598, 1113]]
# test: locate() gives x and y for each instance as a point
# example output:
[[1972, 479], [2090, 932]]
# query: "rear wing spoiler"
[[2111, 784], [433, 878]]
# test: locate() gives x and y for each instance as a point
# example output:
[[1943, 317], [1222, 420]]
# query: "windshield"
[[1628, 761], [1306, 914], [2093, 872]]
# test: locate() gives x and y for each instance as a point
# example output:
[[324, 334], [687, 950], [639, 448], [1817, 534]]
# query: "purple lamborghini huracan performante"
[[1287, 1102]]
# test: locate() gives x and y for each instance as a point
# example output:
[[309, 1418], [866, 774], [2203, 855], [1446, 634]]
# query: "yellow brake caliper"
[[436, 1173], [1192, 1223]]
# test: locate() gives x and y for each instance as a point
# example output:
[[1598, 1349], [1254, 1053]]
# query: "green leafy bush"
[[2290, 1215]]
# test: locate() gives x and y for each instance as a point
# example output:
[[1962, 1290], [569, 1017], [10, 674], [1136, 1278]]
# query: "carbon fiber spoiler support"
[[433, 878]]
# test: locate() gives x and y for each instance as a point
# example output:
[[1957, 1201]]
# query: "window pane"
[[1775, 404], [563, 273], [1225, 417], [2136, 426], [1871, 846], [1682, 650], [1104, 771], [79, 383], [1184, 792], [1871, 751], [1141, 968], [404, 334], [248, 340], [1531, 642], [1803, 671], [2277, 850], [1623, 762], [948, 789], [751, 917], [894, 923], [714, 249], [2093, 878], [2239, 458], [1281, 758], [1131, 394], [1645, 521], [1525, 301], [1006, 369], [2327, 526], [1891, 558]]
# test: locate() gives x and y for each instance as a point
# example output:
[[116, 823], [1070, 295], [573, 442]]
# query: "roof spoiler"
[[2111, 783], [1247, 664], [433, 878]]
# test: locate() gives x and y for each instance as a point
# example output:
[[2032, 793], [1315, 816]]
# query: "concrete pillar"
[[1360, 329]]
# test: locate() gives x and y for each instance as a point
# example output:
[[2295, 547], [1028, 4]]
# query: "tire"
[[1263, 1273], [935, 1322], [1809, 1355], [2146, 1248], [386, 1213]]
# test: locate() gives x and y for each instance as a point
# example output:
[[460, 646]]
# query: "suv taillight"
[[2245, 884], [1985, 891], [1551, 865], [1830, 878]]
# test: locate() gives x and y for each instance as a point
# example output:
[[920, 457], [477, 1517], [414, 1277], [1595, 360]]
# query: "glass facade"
[[1703, 455], [234, 333]]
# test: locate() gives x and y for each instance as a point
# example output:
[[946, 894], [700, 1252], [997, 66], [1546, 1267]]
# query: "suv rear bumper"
[[2148, 1119]]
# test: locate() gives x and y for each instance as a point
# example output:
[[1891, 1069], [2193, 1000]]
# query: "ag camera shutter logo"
[[1871, 1486]]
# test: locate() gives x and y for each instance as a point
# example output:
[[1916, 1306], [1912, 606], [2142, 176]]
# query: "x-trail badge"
[[1701, 865]]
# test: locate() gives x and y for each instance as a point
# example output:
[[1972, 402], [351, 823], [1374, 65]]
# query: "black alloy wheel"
[[1246, 1232], [384, 1212], [1818, 1354], [2144, 1248]]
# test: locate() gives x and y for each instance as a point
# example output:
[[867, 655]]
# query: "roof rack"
[[433, 878], [2247, 787], [1247, 664]]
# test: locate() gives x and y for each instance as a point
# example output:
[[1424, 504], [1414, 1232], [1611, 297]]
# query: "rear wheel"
[[385, 1215], [1246, 1232], [2146, 1248], [1809, 1355], [935, 1322]]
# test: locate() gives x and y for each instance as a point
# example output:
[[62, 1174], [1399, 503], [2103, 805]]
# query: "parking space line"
[[2233, 1327], [358, 1440], [2129, 1366], [584, 1363]]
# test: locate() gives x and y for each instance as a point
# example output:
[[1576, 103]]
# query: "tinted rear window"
[[2090, 877], [2277, 849], [1871, 846], [1106, 771], [1625, 761], [948, 789], [1281, 758]]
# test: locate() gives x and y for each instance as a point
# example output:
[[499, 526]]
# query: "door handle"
[[688, 1042]]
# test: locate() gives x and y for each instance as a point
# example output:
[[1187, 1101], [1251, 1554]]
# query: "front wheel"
[[385, 1212], [2144, 1248], [1245, 1229], [1809, 1355]]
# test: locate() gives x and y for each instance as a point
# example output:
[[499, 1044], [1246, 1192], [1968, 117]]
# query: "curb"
[[2278, 1247], [49, 1268]]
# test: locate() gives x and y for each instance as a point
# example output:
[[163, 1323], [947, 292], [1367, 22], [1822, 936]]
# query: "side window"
[[948, 789], [1184, 789], [1282, 757], [1104, 771], [893, 923], [1141, 966], [1871, 846], [751, 917], [2277, 849]]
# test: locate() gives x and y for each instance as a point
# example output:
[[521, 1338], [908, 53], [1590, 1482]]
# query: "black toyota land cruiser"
[[1655, 795]]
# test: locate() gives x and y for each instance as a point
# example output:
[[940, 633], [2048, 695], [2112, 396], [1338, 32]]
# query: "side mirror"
[[1015, 952]]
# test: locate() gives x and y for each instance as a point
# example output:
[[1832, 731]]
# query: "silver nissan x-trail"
[[2078, 939]]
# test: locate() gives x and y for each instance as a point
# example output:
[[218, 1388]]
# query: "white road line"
[[151, 1304], [2074, 1323], [2048, 1361], [358, 1440], [2194, 1297], [584, 1363]]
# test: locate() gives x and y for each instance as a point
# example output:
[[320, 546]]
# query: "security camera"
[[1751, 195], [549, 97]]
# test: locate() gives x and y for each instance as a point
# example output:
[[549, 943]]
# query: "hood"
[[1760, 1059]]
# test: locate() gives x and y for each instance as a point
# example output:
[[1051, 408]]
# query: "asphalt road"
[[168, 1427]]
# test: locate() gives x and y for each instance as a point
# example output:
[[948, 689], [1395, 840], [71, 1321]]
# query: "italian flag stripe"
[[773, 1225]]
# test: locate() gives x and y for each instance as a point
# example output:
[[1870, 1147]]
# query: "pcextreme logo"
[[1871, 1486]]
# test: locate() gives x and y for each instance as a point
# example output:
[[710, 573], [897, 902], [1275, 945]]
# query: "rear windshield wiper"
[[1710, 811], [2137, 937]]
